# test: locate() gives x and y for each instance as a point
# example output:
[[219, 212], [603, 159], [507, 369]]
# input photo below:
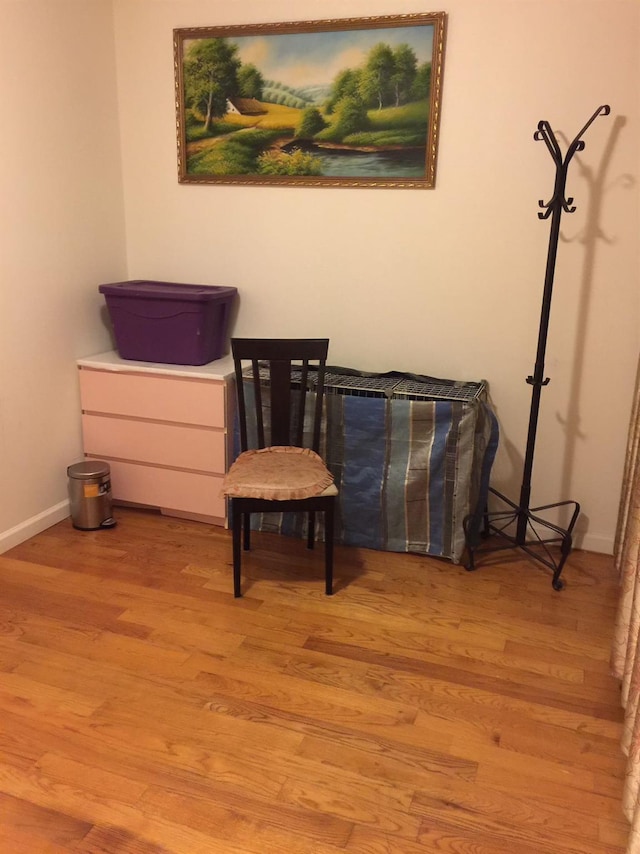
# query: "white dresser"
[[165, 430]]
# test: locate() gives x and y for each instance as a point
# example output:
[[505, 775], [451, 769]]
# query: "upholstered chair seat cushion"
[[278, 473]]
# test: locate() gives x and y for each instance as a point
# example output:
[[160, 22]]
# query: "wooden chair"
[[279, 468]]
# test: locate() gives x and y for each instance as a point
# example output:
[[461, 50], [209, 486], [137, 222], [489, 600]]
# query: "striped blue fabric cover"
[[408, 472]]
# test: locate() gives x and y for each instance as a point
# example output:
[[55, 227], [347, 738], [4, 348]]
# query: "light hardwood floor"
[[420, 709]]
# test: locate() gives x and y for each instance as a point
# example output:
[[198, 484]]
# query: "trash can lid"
[[88, 469]]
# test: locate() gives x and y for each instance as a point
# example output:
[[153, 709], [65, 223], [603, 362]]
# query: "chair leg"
[[247, 531], [237, 553], [311, 529], [328, 549]]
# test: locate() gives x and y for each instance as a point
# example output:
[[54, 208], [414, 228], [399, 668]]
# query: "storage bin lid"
[[145, 289]]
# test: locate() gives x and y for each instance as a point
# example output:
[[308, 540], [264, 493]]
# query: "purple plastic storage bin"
[[169, 322]]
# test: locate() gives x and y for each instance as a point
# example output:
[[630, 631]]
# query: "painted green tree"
[[351, 117], [211, 77], [403, 75], [387, 78], [310, 124], [421, 86], [251, 82], [346, 85], [375, 83]]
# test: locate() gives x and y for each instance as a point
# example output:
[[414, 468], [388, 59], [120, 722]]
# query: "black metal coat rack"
[[520, 525]]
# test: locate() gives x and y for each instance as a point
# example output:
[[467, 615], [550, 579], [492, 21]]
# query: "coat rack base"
[[517, 527]]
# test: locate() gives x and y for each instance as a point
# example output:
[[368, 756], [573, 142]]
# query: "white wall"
[[62, 233], [446, 281]]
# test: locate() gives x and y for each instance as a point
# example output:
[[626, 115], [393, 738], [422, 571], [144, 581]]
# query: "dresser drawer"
[[169, 489], [179, 399], [197, 448]]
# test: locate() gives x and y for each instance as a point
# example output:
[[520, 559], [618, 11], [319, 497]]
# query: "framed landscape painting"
[[336, 103]]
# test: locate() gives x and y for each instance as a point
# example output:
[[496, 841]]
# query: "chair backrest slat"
[[242, 410], [280, 410], [292, 377], [317, 421], [304, 379], [257, 396]]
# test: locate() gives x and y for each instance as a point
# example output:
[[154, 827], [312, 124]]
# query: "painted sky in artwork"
[[306, 59]]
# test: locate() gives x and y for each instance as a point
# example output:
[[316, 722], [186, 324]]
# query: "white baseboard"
[[594, 543], [53, 515], [34, 525]]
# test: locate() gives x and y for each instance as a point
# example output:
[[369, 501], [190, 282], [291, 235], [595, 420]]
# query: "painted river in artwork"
[[376, 164]]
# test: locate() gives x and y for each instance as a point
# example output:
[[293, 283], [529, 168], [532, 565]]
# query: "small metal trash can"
[[90, 495]]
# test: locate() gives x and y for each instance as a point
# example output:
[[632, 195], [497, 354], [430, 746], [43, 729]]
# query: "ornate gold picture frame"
[[335, 103]]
